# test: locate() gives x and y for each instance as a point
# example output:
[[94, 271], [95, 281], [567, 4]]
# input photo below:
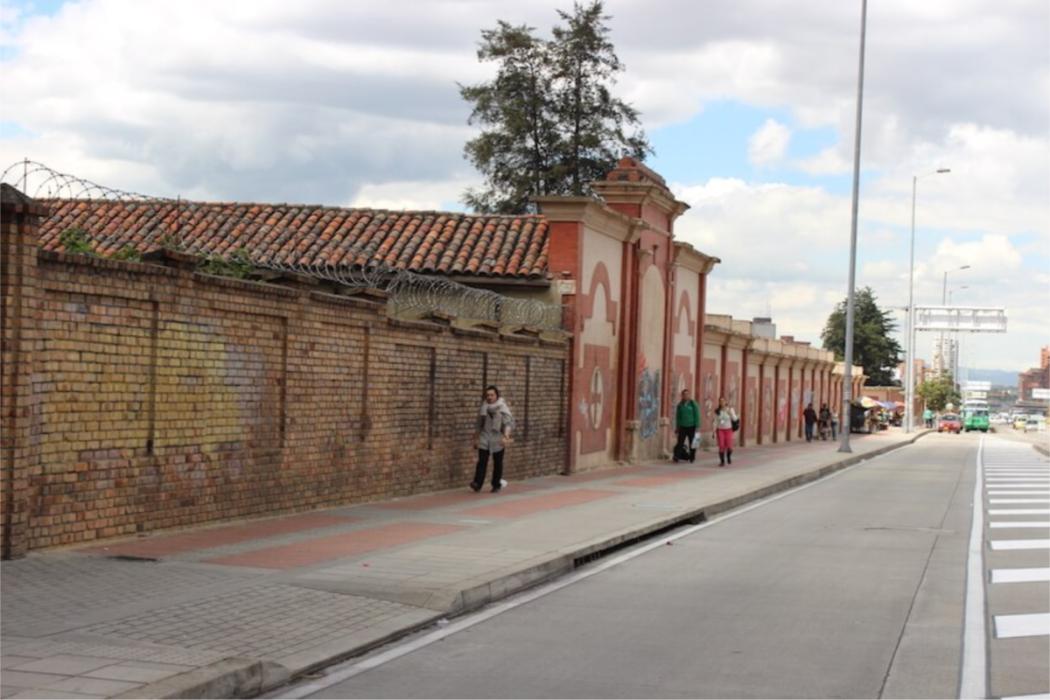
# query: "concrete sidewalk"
[[232, 610]]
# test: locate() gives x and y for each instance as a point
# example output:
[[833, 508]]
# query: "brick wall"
[[160, 397]]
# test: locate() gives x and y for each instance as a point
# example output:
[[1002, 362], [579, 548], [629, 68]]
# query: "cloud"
[[767, 145]]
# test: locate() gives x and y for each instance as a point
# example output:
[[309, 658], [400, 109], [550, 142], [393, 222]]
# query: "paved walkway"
[[230, 610]]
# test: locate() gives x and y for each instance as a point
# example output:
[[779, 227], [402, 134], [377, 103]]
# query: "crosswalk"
[[1016, 567]]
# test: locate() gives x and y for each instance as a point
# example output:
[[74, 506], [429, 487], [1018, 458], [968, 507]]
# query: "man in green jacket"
[[686, 422]]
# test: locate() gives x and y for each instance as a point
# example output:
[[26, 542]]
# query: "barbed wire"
[[409, 293], [39, 181], [412, 294]]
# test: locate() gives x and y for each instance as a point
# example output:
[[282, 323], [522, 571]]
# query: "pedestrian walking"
[[726, 421], [927, 418], [824, 421], [686, 422], [834, 424], [491, 436], [809, 417]]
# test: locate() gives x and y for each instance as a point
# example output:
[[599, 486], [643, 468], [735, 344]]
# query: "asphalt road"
[[852, 587]]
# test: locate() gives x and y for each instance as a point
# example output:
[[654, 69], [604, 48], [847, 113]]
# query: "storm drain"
[[688, 520]]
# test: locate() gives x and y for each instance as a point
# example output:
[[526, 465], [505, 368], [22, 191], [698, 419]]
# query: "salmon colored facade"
[[634, 301]]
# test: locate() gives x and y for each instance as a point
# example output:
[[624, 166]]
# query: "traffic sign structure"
[[960, 319]]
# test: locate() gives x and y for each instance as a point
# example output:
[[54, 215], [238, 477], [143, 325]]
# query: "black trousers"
[[687, 434], [483, 463]]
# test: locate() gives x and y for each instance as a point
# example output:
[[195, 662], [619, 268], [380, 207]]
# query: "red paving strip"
[[438, 500], [599, 474], [646, 482], [349, 544], [442, 500], [167, 545], [536, 504]]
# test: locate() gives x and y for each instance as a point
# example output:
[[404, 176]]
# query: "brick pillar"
[[19, 232]]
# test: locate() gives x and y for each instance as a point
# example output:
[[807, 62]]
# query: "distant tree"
[[873, 348], [550, 124], [939, 391]]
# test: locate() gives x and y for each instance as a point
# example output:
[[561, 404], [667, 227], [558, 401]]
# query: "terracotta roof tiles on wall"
[[446, 243]]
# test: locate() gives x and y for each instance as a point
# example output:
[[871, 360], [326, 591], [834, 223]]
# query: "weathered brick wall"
[[166, 398]]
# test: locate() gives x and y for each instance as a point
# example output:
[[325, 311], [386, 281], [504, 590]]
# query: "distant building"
[[1035, 378]]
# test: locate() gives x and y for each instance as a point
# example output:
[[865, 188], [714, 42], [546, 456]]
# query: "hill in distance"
[[998, 377]]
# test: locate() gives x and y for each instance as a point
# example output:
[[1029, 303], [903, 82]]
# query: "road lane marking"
[[1021, 523], [1026, 492], [1000, 501], [1020, 544], [973, 674], [1020, 575], [1019, 511], [1031, 625]]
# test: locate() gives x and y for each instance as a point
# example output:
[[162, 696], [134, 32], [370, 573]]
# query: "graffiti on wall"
[[767, 406], [709, 393], [782, 404], [733, 385], [649, 402], [752, 407]]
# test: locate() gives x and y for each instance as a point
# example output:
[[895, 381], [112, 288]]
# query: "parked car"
[[949, 423], [1034, 424]]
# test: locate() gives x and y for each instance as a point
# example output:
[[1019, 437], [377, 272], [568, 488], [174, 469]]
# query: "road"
[[855, 586]]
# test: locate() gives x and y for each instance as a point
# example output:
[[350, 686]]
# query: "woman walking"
[[726, 422], [491, 436]]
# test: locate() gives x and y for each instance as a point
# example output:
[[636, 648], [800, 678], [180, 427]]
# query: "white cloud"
[[411, 194], [767, 145]]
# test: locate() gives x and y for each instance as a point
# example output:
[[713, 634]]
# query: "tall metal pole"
[[910, 354], [847, 383]]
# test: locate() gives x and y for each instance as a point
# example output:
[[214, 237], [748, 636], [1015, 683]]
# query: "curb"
[[1041, 448], [245, 678]]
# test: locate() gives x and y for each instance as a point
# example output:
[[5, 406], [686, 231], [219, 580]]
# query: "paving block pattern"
[[263, 621]]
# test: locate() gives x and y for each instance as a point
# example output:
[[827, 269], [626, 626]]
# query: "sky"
[[749, 105]]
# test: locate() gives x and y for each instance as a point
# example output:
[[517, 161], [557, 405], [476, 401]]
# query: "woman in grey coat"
[[491, 435]]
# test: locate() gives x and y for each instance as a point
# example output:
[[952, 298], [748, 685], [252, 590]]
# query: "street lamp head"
[[965, 267], [941, 171]]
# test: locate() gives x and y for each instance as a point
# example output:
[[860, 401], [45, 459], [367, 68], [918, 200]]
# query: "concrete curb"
[[1042, 449], [242, 678]]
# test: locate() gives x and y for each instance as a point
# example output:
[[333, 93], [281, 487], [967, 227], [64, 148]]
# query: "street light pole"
[[909, 370], [847, 388], [944, 302]]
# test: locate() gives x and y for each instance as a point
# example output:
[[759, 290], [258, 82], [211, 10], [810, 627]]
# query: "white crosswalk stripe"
[[1016, 502]]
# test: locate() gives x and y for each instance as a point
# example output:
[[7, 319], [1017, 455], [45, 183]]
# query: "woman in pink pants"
[[725, 417]]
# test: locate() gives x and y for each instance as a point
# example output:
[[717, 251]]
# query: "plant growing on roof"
[[129, 253], [238, 265], [76, 241], [550, 124]]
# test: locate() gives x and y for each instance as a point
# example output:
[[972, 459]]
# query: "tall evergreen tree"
[[873, 348], [592, 122], [550, 124], [518, 148]]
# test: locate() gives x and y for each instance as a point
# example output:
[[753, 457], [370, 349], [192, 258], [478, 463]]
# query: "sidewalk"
[[231, 610]]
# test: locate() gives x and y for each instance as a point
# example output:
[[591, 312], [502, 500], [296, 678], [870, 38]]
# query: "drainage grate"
[[688, 520], [131, 557]]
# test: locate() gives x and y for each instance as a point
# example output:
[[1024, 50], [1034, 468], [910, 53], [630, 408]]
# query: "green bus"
[[975, 415]]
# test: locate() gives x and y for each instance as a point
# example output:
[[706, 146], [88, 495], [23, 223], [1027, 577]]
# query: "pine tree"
[[550, 122], [592, 122], [873, 348]]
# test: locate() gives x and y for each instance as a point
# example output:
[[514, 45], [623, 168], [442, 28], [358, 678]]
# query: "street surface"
[[855, 586]]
